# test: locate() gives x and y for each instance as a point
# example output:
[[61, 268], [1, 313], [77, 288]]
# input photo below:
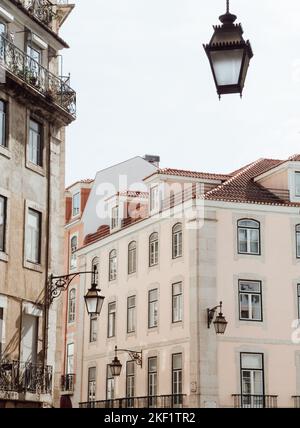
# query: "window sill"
[[35, 168], [4, 151], [3, 257], [33, 266]]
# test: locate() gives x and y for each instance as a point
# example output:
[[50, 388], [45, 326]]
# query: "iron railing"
[[296, 399], [255, 401], [68, 383], [43, 10], [53, 88], [157, 401], [16, 376]]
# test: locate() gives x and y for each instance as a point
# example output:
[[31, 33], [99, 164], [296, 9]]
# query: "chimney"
[[153, 159]]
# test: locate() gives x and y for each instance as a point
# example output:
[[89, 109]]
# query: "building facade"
[[171, 252], [36, 105]]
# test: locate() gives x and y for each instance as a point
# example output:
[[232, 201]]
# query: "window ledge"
[[3, 257], [35, 168], [4, 151], [33, 266]]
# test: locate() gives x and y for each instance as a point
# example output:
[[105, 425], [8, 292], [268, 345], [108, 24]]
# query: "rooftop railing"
[[54, 89]]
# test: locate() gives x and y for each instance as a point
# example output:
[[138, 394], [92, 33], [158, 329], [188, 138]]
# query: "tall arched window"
[[132, 257], [298, 241], [248, 237], [95, 263], [153, 249], [72, 305], [177, 240], [113, 265], [74, 244]]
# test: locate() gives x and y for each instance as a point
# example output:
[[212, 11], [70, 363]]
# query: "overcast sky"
[[144, 85]]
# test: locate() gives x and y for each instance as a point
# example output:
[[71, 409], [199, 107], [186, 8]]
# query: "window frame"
[[249, 228], [249, 369], [77, 198], [93, 323], [174, 296], [176, 234], [72, 306], [115, 217], [132, 258], [298, 299], [151, 399], [297, 235], [38, 262], [111, 315], [297, 174], [177, 400], [109, 378], [133, 309], [3, 247], [149, 306], [95, 262], [153, 242], [70, 356], [4, 143], [252, 293], [73, 258], [154, 198], [40, 150], [92, 380], [1, 331], [130, 378], [113, 257]]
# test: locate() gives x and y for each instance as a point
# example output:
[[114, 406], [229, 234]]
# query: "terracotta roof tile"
[[190, 174]]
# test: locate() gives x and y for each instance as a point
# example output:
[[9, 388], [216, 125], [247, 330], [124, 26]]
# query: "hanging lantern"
[[229, 55]]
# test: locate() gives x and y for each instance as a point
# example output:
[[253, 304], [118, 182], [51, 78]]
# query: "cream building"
[[36, 104], [176, 249]]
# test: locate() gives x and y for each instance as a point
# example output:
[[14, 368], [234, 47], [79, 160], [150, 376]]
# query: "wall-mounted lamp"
[[220, 322]]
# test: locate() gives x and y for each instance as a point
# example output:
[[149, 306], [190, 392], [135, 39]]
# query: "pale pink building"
[[175, 248]]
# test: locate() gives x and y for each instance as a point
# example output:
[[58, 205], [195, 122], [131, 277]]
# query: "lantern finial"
[[227, 8]]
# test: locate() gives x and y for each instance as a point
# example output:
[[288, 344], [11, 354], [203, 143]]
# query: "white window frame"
[[76, 209], [153, 249], [177, 241], [35, 146], [177, 380], [131, 314], [92, 376], [33, 241], [250, 295], [249, 238], [298, 241], [132, 257], [93, 328], [111, 320], [70, 359], [154, 198], [110, 384], [72, 306], [153, 308], [113, 261], [115, 217], [297, 184], [177, 303], [130, 379], [73, 248]]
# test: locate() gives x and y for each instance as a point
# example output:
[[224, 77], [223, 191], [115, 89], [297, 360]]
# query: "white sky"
[[144, 85]]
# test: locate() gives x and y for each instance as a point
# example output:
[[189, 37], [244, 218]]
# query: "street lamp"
[[93, 299], [229, 55], [220, 322], [116, 366]]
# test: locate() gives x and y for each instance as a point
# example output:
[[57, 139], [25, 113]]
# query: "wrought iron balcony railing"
[[255, 401], [43, 10], [54, 89], [16, 376], [296, 399], [157, 401], [68, 383]]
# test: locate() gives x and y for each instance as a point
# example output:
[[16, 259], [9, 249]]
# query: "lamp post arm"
[[137, 356], [211, 313]]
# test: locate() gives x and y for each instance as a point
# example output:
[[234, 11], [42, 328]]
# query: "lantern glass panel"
[[227, 66]]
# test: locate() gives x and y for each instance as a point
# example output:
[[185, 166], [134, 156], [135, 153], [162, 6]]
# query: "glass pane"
[[254, 241], [257, 382], [298, 243], [249, 224], [242, 240], [252, 361], [256, 307], [2, 126], [153, 295], [297, 183], [177, 362], [250, 286], [244, 302], [152, 364], [2, 222], [227, 66]]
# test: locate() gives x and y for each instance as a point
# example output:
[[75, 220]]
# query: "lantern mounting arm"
[[136, 356], [211, 314], [58, 284]]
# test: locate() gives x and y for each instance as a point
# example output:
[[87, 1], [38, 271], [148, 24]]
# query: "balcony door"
[[252, 379], [29, 339]]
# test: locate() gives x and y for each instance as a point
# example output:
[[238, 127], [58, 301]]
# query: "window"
[[34, 60], [153, 309], [111, 330], [177, 302], [152, 381], [250, 299], [177, 240], [130, 382], [33, 237], [35, 149], [131, 310], [76, 204], [249, 237], [1, 331], [72, 305], [298, 241], [154, 200], [3, 209], [153, 249], [110, 384], [70, 358], [93, 328], [74, 244], [177, 379], [95, 263], [92, 384], [3, 140], [113, 265], [132, 257], [252, 380], [115, 217], [298, 300], [297, 184]]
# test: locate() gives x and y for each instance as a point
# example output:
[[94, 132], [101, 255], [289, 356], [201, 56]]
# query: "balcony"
[[17, 377], [255, 401], [67, 384], [157, 402], [43, 10], [53, 89], [296, 399]]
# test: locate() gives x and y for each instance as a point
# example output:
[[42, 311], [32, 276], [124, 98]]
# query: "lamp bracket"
[[211, 314], [136, 356]]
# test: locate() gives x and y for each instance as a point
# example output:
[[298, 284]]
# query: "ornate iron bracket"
[[211, 314], [136, 356], [58, 284]]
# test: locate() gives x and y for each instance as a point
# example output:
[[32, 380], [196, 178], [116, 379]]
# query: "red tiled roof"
[[242, 188], [84, 181], [190, 174], [134, 194]]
